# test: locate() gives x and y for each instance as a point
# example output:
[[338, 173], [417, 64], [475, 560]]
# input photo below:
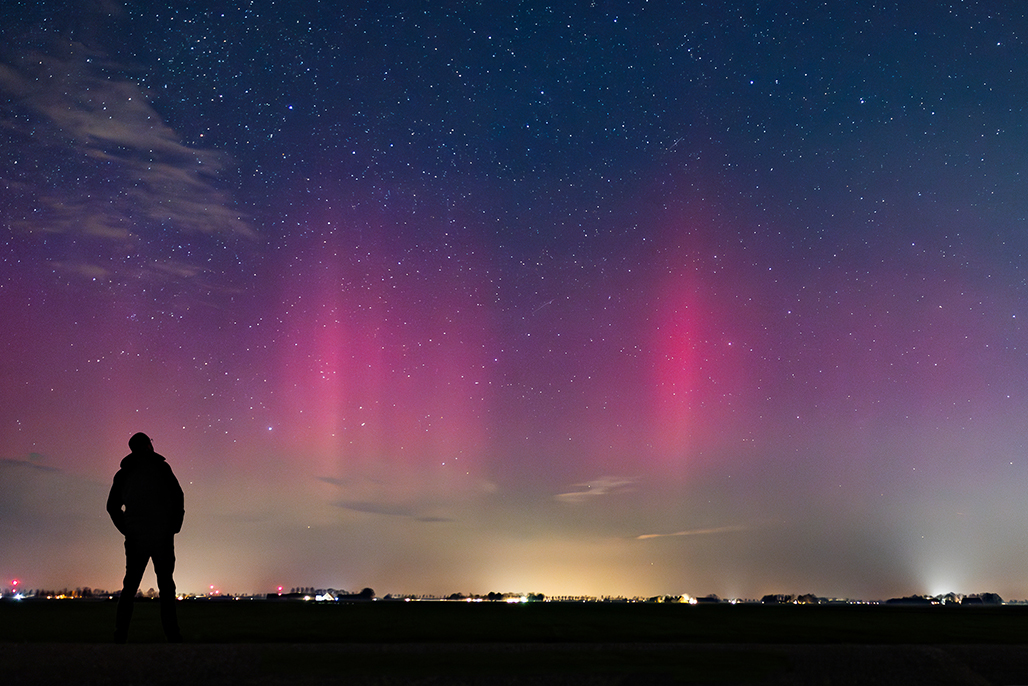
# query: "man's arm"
[[177, 505], [114, 504]]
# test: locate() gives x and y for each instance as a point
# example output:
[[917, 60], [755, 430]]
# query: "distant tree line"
[[80, 592]]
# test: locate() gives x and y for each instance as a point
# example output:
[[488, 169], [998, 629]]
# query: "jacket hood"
[[135, 459]]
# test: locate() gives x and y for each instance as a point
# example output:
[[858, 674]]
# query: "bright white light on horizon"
[[944, 582]]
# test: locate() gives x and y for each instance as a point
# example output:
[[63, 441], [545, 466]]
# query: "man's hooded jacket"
[[151, 496]]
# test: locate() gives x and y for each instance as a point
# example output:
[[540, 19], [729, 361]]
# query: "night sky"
[[608, 298]]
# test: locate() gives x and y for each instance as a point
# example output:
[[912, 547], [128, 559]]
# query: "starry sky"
[[606, 298]]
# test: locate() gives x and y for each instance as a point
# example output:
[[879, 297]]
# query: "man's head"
[[140, 443]]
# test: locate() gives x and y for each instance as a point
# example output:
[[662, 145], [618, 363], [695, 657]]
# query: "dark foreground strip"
[[514, 664]]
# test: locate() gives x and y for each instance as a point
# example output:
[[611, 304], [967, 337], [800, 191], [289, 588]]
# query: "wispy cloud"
[[7, 462], [390, 510], [594, 489], [107, 167], [698, 532], [369, 495]]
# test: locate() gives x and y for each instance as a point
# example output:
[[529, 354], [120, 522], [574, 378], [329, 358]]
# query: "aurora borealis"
[[596, 298]]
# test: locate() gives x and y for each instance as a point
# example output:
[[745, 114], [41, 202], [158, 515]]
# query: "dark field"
[[490, 643], [244, 621]]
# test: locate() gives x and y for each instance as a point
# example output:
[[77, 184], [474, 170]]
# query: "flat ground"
[[253, 642]]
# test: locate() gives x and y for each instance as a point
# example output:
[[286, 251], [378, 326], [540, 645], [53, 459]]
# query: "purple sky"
[[614, 298]]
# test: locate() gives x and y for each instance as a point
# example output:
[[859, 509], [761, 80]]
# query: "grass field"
[[485, 643]]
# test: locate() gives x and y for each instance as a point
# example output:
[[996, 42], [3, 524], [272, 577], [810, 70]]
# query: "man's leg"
[[136, 557], [164, 567]]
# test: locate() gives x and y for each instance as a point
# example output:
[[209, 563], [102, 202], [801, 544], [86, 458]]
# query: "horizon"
[[16, 589], [598, 300], [331, 595]]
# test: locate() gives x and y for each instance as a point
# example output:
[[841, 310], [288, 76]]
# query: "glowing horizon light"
[[941, 581]]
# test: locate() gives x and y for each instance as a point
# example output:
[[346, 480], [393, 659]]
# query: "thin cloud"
[[375, 508], [387, 510], [112, 122], [382, 490], [595, 489], [342, 483], [8, 462], [133, 174], [698, 532]]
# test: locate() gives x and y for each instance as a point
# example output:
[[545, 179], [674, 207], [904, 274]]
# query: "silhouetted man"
[[146, 505]]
